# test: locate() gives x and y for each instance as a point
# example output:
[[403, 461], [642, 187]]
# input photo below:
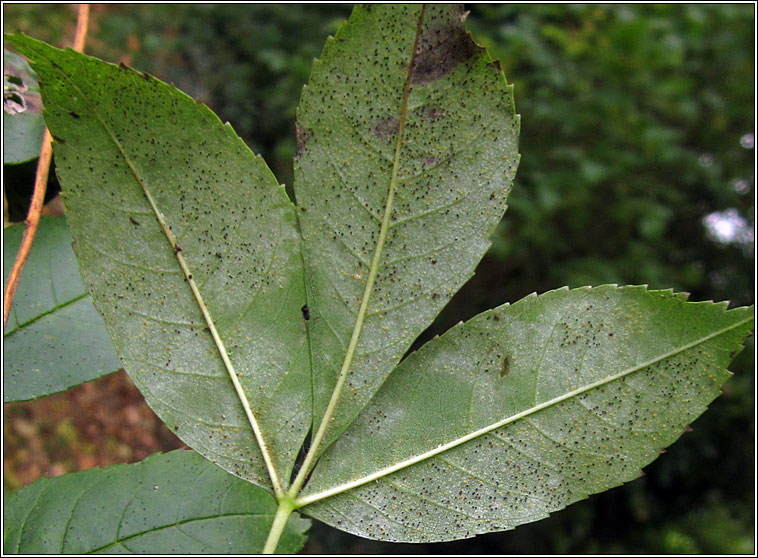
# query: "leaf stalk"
[[286, 506]]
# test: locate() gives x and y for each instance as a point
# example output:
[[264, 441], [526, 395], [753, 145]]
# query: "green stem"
[[286, 505]]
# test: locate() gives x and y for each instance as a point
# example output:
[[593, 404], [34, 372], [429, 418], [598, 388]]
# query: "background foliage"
[[637, 124]]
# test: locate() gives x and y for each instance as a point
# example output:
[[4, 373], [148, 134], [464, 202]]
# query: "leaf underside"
[[161, 196], [453, 144], [54, 339], [459, 442], [174, 503], [406, 149]]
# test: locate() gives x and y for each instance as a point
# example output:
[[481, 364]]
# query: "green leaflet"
[[55, 338], [599, 381], [174, 503], [444, 157], [173, 216]]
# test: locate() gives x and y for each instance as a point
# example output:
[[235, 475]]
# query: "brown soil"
[[103, 422]]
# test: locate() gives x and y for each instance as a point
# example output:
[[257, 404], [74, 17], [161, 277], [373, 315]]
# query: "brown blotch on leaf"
[[386, 128], [442, 47], [432, 114], [505, 366], [301, 138]]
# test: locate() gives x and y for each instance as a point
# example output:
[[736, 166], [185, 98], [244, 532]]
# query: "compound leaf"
[[174, 503], [525, 409], [407, 146], [190, 250], [54, 339]]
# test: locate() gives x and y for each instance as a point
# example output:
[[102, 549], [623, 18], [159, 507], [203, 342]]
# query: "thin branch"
[[82, 23], [40, 186]]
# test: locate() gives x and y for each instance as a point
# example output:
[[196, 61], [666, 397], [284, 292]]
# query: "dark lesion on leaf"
[[441, 47], [386, 128], [433, 114], [301, 139], [505, 366]]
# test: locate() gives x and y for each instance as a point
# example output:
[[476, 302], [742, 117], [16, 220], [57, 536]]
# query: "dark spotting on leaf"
[[505, 367]]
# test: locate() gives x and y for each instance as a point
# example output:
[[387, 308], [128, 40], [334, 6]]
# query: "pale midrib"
[[304, 501], [198, 298], [308, 462]]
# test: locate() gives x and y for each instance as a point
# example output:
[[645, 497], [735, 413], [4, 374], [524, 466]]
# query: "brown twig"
[[82, 22], [40, 186]]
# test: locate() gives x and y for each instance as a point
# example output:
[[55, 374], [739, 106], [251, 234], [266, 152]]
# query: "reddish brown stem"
[[40, 186]]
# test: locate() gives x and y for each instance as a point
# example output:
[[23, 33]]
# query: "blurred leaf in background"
[[637, 125], [23, 126], [637, 167], [51, 303]]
